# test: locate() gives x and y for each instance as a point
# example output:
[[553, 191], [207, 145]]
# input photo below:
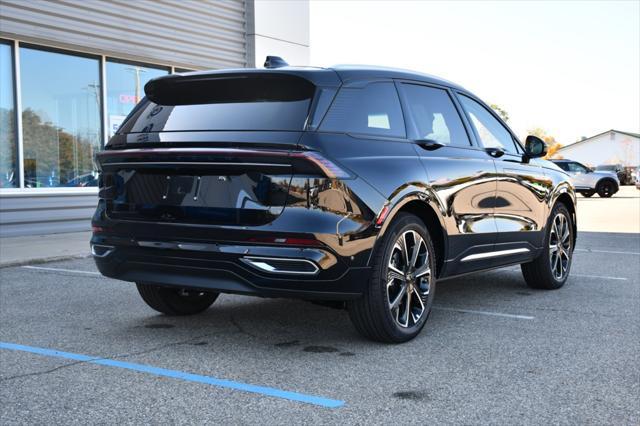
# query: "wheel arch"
[[607, 179], [570, 203], [424, 206]]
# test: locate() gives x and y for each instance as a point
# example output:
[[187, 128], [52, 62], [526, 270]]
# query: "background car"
[[587, 181], [625, 174]]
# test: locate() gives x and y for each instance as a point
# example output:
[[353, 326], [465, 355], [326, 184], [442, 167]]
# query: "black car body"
[[288, 182]]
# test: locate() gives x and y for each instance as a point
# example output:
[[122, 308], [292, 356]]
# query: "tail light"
[[328, 167]]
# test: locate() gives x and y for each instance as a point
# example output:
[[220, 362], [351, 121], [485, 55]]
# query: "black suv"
[[356, 184]]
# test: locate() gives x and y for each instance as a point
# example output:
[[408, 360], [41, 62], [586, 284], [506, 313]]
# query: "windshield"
[[607, 167]]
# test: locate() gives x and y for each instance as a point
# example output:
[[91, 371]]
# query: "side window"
[[563, 166], [435, 115], [373, 110], [491, 132], [577, 168]]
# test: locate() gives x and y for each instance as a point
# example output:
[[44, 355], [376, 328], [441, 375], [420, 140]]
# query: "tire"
[[545, 272], [409, 284], [175, 301], [588, 194], [606, 189]]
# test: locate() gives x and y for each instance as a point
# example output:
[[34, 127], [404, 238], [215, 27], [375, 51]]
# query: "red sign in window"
[[128, 99]]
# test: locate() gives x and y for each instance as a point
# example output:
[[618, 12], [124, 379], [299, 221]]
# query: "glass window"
[[562, 165], [435, 115], [8, 148], [125, 88], [491, 132], [246, 103], [60, 118], [577, 168], [373, 109]]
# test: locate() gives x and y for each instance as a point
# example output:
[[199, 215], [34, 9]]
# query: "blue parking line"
[[175, 374]]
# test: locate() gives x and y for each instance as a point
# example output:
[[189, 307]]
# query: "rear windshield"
[[235, 103]]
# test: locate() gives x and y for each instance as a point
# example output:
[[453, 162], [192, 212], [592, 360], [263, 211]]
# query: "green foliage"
[[50, 149], [501, 112], [8, 152]]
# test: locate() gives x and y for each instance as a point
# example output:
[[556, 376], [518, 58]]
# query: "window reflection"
[[125, 88], [8, 151], [60, 118]]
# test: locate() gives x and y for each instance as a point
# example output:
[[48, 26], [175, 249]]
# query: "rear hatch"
[[208, 150]]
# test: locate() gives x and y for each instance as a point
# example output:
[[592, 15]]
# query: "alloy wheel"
[[560, 246], [408, 279]]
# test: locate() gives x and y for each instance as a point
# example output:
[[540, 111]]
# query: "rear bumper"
[[225, 268]]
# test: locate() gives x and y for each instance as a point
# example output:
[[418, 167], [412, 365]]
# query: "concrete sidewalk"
[[23, 250]]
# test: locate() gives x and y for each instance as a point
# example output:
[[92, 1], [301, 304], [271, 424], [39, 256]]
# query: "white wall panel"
[[187, 33]]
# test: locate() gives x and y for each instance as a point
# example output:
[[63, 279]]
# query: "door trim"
[[490, 254]]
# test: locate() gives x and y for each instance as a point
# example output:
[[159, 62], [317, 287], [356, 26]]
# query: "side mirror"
[[535, 147]]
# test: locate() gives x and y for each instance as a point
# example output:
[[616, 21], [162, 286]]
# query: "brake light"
[[329, 168]]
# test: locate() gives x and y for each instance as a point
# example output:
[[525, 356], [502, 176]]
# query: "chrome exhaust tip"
[[100, 250], [275, 265]]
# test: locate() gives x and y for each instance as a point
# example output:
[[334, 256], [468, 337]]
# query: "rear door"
[[522, 187], [462, 176], [207, 150]]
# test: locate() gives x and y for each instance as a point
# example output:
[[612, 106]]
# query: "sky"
[[569, 67]]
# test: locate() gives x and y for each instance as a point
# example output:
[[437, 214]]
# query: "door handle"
[[428, 144], [495, 152]]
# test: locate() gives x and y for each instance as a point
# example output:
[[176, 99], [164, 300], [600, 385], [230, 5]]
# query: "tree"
[[552, 151], [50, 151], [501, 112], [8, 153], [552, 145]]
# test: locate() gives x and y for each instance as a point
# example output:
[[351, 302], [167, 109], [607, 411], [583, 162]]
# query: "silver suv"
[[587, 181]]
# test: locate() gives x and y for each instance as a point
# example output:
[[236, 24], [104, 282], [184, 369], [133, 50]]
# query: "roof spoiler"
[[233, 87]]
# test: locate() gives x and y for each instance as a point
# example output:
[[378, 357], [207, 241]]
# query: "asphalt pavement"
[[493, 352]]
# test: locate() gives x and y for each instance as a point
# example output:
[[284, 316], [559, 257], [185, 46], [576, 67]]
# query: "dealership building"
[[71, 71]]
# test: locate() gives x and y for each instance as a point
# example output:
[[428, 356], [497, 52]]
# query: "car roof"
[[331, 76], [357, 72]]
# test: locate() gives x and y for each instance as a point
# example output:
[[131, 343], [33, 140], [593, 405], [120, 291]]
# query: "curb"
[[42, 260]]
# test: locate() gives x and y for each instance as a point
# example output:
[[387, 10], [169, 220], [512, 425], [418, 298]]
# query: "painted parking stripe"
[[74, 271], [602, 277], [493, 314], [609, 251], [197, 378]]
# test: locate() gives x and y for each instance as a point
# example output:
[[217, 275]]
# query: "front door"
[[579, 175], [522, 187]]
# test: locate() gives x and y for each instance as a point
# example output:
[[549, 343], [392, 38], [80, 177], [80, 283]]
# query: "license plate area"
[[251, 198]]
